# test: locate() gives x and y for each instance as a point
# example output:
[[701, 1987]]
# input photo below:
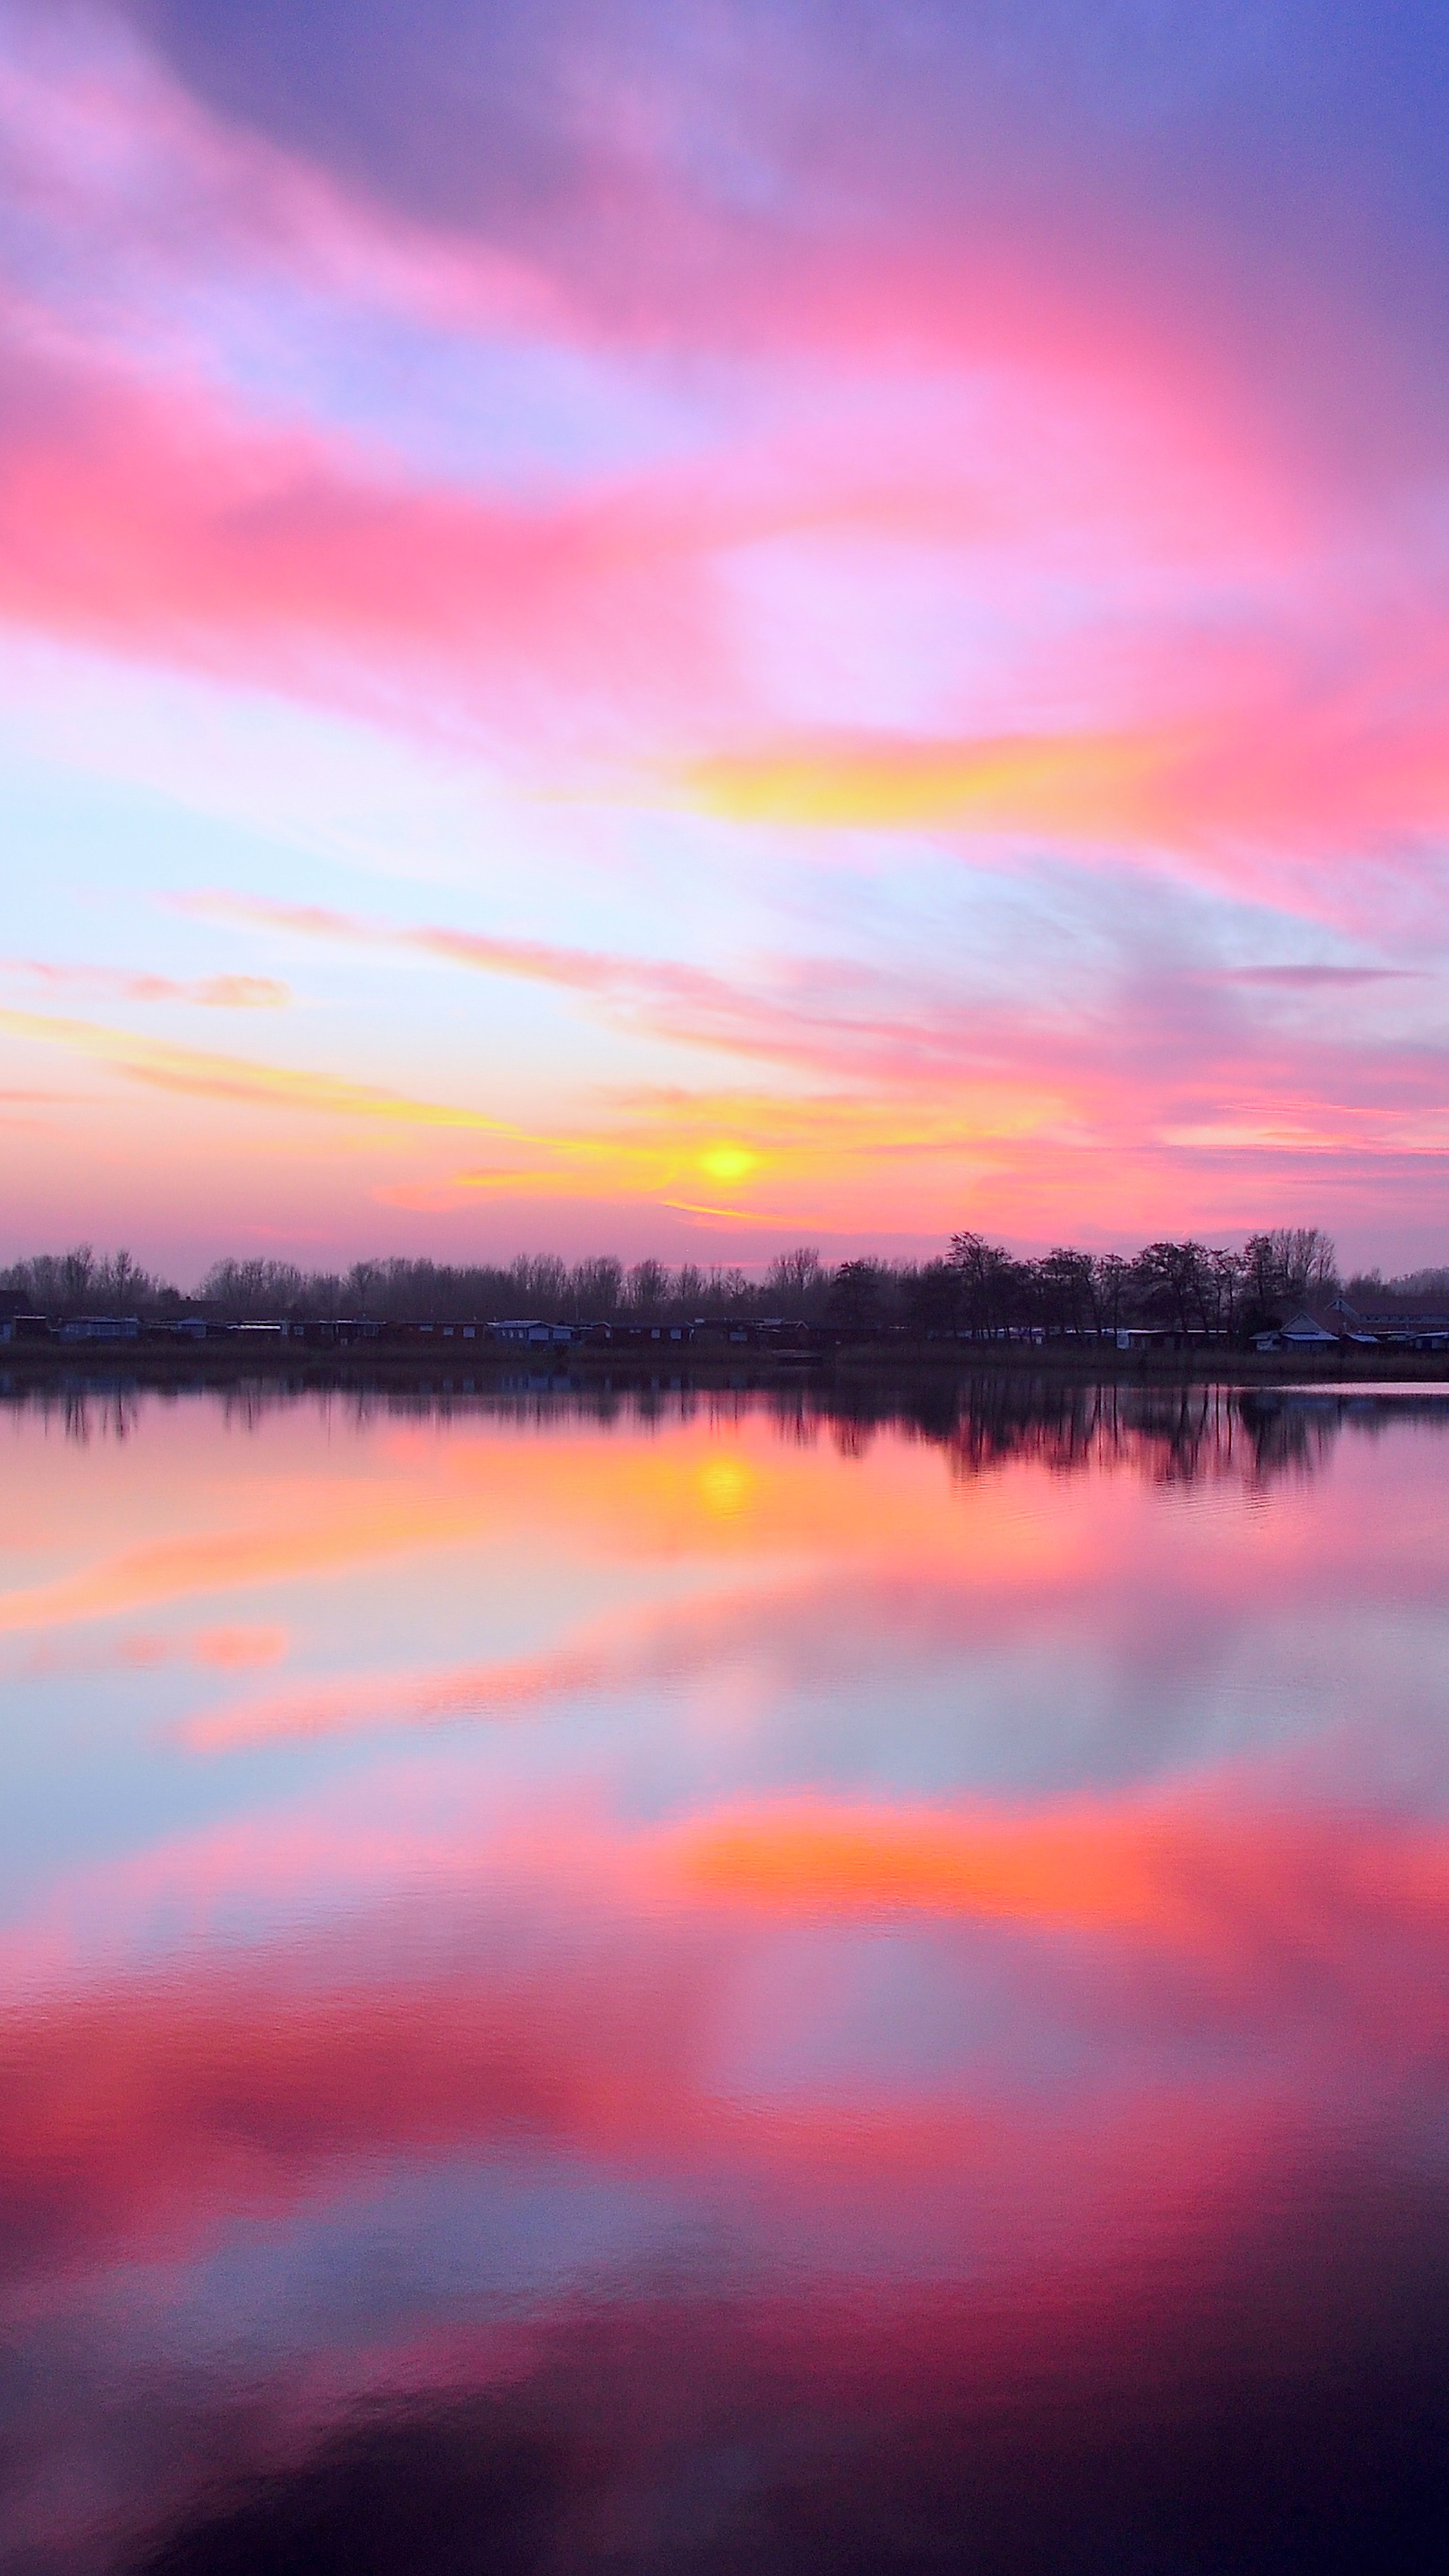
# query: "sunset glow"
[[656, 632]]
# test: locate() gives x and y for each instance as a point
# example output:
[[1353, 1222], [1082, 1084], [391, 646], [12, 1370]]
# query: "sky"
[[682, 628]]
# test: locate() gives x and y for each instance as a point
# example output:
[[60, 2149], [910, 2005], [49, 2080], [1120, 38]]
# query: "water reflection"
[[725, 1984], [1177, 1433]]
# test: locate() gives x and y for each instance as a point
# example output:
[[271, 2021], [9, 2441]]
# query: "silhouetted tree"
[[932, 1297], [1170, 1278], [648, 1287], [1112, 1287], [1068, 1290], [992, 1283], [855, 1293], [596, 1288], [794, 1279]]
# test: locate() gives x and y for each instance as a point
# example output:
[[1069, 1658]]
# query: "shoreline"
[[848, 1368]]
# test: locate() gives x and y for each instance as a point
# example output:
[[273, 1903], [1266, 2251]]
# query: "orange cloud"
[[1110, 1872], [1186, 1874]]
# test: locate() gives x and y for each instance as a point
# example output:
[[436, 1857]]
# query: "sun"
[[724, 1486], [727, 1162]]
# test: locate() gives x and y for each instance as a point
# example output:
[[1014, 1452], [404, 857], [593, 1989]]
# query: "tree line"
[[976, 1286]]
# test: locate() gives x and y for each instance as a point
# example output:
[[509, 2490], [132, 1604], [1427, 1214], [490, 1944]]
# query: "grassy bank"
[[222, 1364]]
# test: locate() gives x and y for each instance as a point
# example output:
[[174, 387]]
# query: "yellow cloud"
[[1080, 783], [225, 1077]]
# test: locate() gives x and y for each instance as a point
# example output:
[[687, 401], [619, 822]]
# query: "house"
[[1304, 1332], [100, 1328], [632, 1336], [302, 1327], [17, 1327], [528, 1330], [1390, 1325]]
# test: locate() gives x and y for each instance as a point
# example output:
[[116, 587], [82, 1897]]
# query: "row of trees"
[[535, 1284], [1189, 1286], [978, 1287], [78, 1283]]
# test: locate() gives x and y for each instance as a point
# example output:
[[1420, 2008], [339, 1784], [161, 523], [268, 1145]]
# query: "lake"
[[689, 1982]]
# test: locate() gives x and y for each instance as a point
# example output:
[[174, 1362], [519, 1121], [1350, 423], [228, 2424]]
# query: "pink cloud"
[[135, 2108], [1150, 624], [155, 524]]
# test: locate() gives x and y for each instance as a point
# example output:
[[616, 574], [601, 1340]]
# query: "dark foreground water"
[[691, 1986]]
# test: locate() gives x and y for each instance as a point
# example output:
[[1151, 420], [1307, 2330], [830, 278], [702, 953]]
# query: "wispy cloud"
[[1311, 978], [905, 1084], [209, 992], [676, 995], [187, 1568], [222, 1077]]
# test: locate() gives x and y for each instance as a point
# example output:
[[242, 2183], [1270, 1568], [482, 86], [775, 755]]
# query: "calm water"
[[701, 1987]]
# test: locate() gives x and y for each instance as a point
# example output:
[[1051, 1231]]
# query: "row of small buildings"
[[1338, 1326], [342, 1331], [1343, 1326]]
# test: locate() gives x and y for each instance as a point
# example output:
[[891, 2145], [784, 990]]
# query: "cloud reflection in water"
[[740, 2113]]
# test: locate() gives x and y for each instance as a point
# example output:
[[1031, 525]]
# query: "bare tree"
[[541, 1281], [596, 1287], [648, 1287], [1290, 1263], [795, 1278], [1419, 1283], [256, 1287], [730, 1290]]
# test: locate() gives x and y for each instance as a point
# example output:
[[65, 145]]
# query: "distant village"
[[1279, 1291]]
